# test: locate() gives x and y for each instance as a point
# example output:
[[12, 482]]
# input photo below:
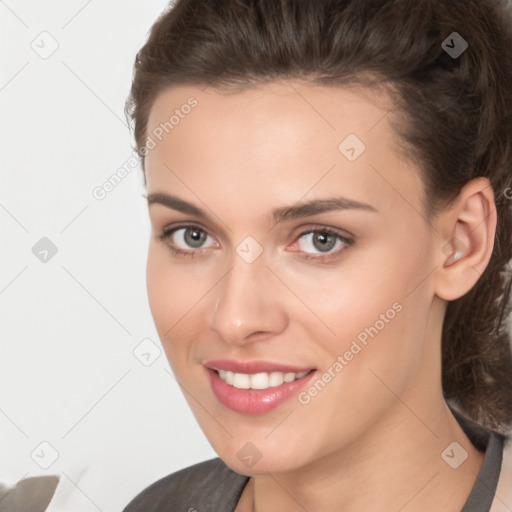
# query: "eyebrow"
[[296, 211]]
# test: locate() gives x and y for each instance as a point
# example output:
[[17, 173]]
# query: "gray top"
[[211, 486]]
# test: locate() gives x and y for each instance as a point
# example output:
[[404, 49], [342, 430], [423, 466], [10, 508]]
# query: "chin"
[[261, 467]]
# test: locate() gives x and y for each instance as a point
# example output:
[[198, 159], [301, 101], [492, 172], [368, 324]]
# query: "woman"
[[329, 188]]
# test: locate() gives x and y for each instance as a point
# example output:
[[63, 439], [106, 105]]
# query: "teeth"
[[275, 379], [241, 381], [258, 380]]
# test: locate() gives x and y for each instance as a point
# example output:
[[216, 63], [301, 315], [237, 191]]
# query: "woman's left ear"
[[466, 239]]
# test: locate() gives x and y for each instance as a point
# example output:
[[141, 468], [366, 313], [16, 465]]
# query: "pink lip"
[[255, 401], [253, 366]]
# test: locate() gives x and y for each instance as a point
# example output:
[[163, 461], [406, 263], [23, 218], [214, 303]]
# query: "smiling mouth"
[[245, 387], [262, 380]]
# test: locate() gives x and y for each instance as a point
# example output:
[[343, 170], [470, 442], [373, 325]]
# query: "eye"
[[188, 240], [324, 242], [185, 240]]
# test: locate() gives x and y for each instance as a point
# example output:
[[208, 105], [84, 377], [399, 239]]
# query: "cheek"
[[173, 289], [376, 351], [160, 301], [168, 298], [374, 308], [176, 295]]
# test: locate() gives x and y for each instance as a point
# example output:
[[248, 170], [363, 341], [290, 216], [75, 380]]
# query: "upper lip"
[[253, 366]]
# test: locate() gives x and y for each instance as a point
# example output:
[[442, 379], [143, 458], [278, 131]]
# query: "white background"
[[69, 325]]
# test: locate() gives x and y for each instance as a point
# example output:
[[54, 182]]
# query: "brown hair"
[[455, 121]]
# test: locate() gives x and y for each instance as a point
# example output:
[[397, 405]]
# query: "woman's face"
[[342, 287]]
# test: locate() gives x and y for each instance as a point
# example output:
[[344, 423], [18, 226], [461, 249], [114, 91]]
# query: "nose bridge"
[[246, 301]]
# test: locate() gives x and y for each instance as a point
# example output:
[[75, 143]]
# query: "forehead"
[[280, 140], [276, 108]]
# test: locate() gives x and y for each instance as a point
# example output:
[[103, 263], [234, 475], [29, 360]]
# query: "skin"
[[374, 435]]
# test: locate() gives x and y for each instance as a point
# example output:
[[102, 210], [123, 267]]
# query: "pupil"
[[323, 238]]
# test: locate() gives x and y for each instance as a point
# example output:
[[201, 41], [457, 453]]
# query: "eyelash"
[[348, 242]]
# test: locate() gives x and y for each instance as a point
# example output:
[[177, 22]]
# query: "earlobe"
[[469, 227]]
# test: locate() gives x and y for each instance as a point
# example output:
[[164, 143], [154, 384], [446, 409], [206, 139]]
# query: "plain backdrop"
[[75, 400]]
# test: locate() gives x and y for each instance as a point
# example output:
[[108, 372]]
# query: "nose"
[[248, 306]]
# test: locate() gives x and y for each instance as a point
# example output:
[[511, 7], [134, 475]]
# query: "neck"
[[396, 464]]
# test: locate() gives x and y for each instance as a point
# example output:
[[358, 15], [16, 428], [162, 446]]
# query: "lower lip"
[[254, 401]]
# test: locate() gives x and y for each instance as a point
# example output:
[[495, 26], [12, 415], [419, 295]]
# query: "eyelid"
[[305, 229], [186, 224]]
